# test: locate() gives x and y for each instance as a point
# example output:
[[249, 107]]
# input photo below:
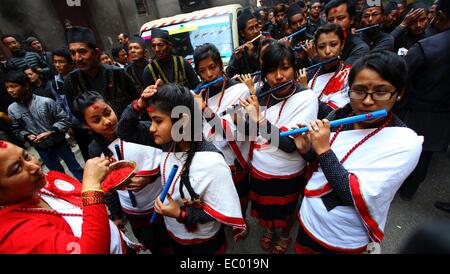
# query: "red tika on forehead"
[[95, 106], [150, 109], [3, 144], [334, 10]]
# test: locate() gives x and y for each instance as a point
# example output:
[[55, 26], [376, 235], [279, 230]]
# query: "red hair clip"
[[3, 144]]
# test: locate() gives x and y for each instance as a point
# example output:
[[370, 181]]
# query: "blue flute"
[[326, 62], [295, 33], [340, 122], [367, 28], [130, 193], [163, 195], [207, 85]]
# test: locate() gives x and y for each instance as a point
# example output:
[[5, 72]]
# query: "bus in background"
[[215, 25]]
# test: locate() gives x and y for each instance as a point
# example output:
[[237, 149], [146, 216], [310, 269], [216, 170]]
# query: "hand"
[[319, 131], [148, 93], [302, 141], [303, 77], [310, 49], [249, 82], [412, 17], [31, 137], [170, 210], [250, 47], [119, 222], [95, 171], [138, 183], [41, 137], [199, 99], [251, 106]]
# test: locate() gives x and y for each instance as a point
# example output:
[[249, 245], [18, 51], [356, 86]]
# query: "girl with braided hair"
[[202, 196]]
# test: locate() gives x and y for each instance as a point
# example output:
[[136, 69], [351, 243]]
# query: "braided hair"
[[165, 100]]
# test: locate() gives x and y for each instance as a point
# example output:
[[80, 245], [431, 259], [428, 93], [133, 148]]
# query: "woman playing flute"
[[330, 81], [358, 172], [277, 170]]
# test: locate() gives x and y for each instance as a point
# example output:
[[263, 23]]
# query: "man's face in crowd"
[[36, 46], [297, 22], [122, 39], [34, 77], [315, 10], [420, 25], [401, 8], [390, 18], [339, 15], [16, 90], [161, 48], [136, 51], [61, 64], [279, 17], [251, 29], [85, 57], [122, 57], [12, 44], [371, 16]]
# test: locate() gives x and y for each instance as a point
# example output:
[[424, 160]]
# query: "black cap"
[[30, 40], [366, 6], [243, 18], [390, 6], [137, 40], [162, 34], [79, 34], [293, 10]]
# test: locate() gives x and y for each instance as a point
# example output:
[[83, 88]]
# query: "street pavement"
[[404, 217]]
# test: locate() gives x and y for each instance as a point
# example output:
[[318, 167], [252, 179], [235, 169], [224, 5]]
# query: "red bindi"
[[3, 144], [334, 10], [95, 106]]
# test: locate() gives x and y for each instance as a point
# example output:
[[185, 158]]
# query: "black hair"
[[33, 69], [418, 5], [274, 56], [115, 51], [279, 8], [8, 35], [388, 65], [205, 51], [63, 52], [80, 104], [351, 8], [165, 100], [18, 77], [264, 42], [328, 28]]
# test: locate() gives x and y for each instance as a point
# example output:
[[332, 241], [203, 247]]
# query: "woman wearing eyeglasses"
[[359, 171]]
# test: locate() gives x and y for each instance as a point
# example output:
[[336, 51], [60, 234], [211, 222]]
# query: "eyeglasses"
[[380, 95]]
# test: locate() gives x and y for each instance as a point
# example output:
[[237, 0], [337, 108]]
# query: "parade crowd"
[[221, 135]]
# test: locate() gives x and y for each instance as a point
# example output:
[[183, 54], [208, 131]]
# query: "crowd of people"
[[298, 65]]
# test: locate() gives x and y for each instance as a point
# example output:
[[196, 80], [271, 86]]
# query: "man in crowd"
[[138, 54], [412, 28], [64, 65], [36, 46], [390, 16], [375, 38], [113, 83], [166, 66], [428, 105], [342, 12], [120, 57], [279, 12], [245, 58], [21, 59], [314, 20]]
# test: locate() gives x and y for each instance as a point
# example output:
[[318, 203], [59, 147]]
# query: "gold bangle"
[[91, 189]]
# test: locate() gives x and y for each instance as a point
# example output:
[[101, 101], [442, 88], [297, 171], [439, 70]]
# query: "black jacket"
[[113, 83], [354, 48]]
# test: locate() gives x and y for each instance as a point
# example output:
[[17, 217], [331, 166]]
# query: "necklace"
[[164, 169], [370, 135], [221, 96], [286, 97], [316, 75], [279, 113]]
